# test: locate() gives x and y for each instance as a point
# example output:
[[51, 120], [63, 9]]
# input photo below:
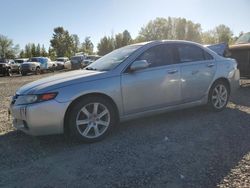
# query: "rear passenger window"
[[189, 53]]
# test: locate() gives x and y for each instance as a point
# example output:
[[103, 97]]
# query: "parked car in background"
[[37, 65], [5, 68], [241, 52], [90, 59], [17, 66], [9, 66], [63, 63], [133, 81], [77, 61]]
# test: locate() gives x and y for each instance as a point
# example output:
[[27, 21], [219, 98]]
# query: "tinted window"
[[158, 56], [207, 55], [189, 53]]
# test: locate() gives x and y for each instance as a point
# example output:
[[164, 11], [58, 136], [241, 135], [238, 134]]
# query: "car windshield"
[[114, 58], [62, 60], [77, 58], [40, 60], [245, 38], [19, 61]]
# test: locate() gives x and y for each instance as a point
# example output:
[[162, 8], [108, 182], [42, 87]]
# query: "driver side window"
[[158, 56]]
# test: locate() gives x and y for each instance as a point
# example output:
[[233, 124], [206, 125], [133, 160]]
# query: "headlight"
[[29, 99]]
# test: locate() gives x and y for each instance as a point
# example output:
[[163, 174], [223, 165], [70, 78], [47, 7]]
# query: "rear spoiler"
[[221, 49]]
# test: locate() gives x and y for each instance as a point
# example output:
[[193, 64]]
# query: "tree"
[[219, 34], [38, 50], [87, 46], [7, 48], [62, 43], [43, 52], [105, 45], [209, 37], [22, 54], [170, 28], [223, 33], [52, 54], [122, 39], [27, 50], [33, 50], [76, 43]]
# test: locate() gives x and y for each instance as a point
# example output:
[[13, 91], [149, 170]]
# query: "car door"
[[154, 87], [197, 71]]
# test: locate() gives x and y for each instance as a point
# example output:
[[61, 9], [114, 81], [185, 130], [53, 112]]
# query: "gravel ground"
[[186, 148]]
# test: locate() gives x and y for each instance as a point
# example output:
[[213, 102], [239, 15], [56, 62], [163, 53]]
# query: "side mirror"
[[138, 65]]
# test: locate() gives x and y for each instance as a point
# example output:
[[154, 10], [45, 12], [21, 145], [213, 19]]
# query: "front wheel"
[[218, 96], [38, 71], [91, 119], [9, 72]]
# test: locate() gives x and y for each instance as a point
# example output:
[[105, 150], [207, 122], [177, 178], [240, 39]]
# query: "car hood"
[[57, 81]]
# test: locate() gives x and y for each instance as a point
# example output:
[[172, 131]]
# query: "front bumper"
[[3, 70], [40, 118], [28, 69]]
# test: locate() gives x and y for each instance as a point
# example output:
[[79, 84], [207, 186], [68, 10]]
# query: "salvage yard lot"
[[186, 148]]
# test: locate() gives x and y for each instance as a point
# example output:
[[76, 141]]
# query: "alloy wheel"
[[219, 96], [93, 120]]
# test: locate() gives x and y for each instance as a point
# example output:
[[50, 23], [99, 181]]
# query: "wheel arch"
[[95, 94], [223, 79]]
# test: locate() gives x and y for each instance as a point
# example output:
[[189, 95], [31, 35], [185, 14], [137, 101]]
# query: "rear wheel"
[[218, 96], [91, 119]]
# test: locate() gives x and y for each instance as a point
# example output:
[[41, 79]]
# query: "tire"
[[23, 73], [84, 123], [218, 96], [9, 72], [38, 71], [53, 68]]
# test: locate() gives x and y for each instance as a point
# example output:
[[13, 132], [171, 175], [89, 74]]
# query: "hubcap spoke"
[[86, 131], [82, 122], [85, 111], [95, 110], [104, 123], [103, 113], [97, 133]]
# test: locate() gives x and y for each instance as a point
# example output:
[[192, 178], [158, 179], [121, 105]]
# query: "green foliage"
[[7, 48], [219, 34], [170, 28], [122, 39], [62, 43], [87, 46], [44, 52], [76, 43], [38, 50], [106, 45], [52, 54]]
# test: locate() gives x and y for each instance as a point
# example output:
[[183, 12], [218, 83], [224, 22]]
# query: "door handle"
[[172, 71], [210, 65]]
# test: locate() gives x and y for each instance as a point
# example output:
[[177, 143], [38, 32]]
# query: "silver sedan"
[[133, 81]]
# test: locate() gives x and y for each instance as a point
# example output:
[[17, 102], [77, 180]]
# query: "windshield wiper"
[[90, 68]]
